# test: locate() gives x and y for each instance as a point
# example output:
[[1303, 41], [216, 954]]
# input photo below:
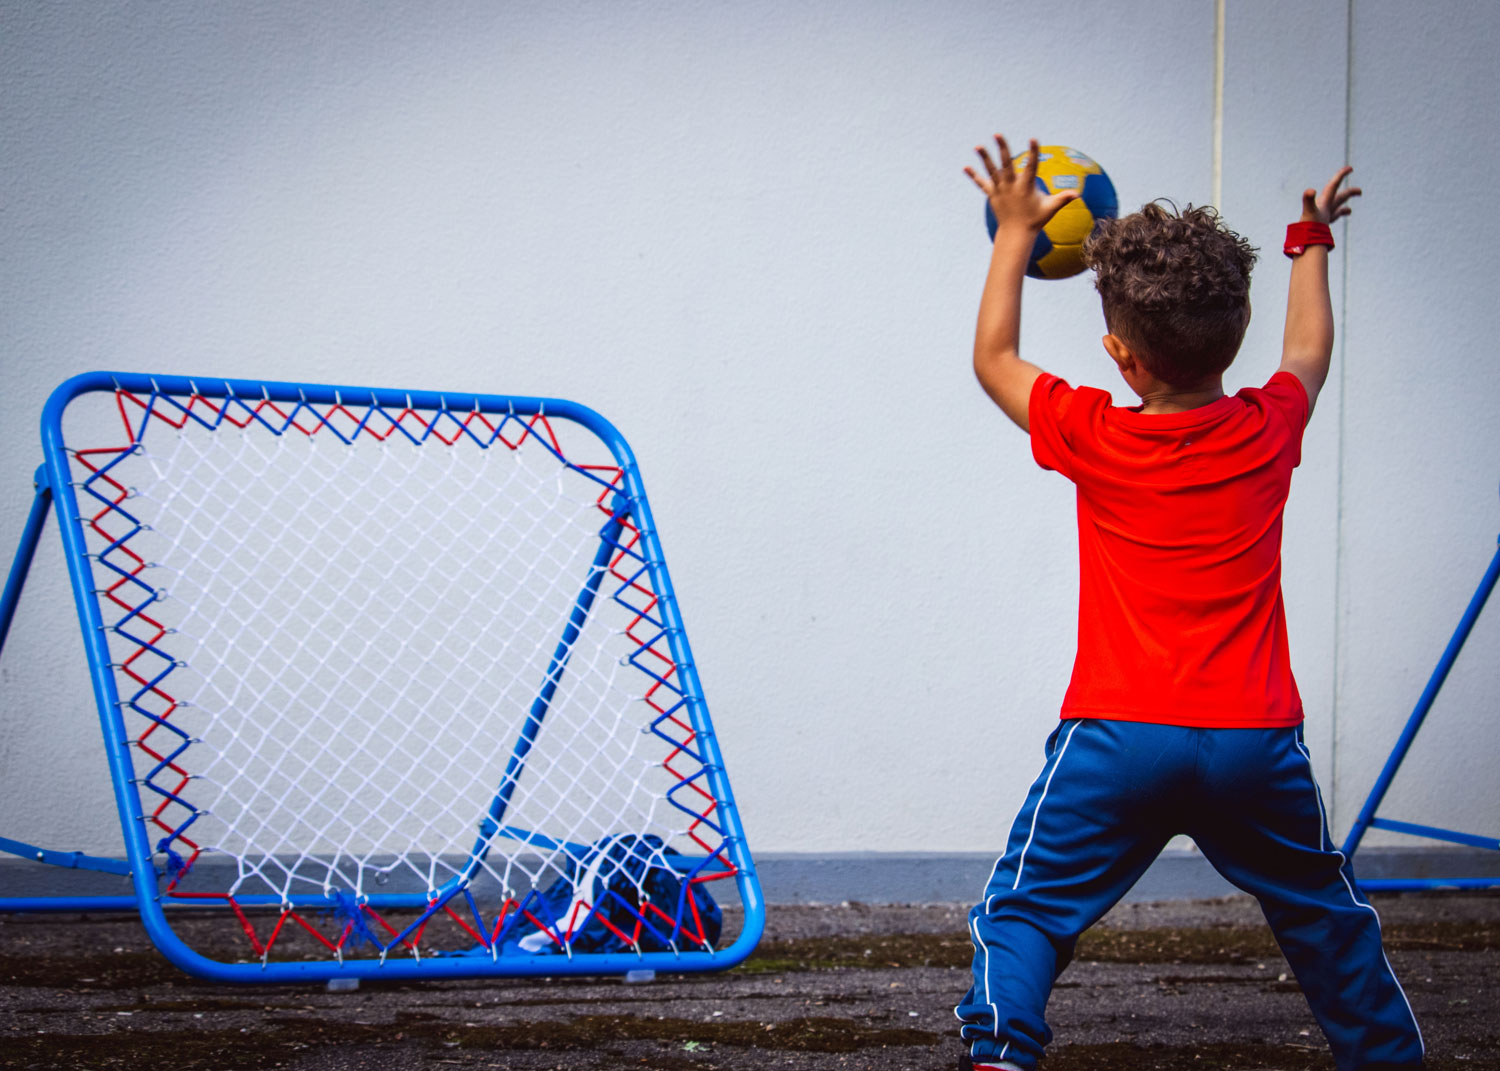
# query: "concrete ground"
[[1156, 986]]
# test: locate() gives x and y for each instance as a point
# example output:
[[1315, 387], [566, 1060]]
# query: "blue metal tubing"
[[516, 764], [1425, 884], [388, 901], [1424, 704], [129, 903], [1435, 833], [71, 860], [106, 696], [38, 904], [137, 845], [20, 566], [325, 394], [20, 569], [728, 814]]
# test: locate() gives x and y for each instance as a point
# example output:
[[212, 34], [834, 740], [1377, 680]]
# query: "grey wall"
[[742, 233]]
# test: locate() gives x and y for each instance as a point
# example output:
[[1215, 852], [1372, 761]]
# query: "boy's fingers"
[[984, 187], [1341, 203], [1335, 182], [1005, 160], [1032, 153]]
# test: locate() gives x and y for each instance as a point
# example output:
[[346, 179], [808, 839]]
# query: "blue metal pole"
[[727, 813], [31, 905], [1424, 704], [106, 695], [608, 542], [1425, 884], [20, 566]]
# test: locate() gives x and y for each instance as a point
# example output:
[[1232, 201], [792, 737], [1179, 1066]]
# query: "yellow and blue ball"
[[1058, 252]]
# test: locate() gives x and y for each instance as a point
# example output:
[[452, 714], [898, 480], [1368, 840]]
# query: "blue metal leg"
[[1419, 713], [20, 566], [608, 544], [20, 569]]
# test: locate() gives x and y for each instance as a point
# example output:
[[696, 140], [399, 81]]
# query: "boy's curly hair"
[[1175, 287]]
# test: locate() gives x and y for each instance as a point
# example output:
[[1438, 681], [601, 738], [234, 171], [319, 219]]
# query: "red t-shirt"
[[1180, 619]]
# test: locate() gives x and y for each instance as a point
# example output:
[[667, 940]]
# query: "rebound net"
[[400, 676]]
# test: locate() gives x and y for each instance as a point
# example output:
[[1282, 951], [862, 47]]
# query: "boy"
[[1182, 715]]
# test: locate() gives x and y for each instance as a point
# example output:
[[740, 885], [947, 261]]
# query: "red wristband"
[[1301, 235]]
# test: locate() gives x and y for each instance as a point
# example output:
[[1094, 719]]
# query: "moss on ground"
[[105, 970], [1198, 946]]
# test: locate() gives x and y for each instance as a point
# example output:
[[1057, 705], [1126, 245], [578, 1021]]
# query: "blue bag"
[[626, 885]]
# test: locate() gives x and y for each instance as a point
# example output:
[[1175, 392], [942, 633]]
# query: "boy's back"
[[1179, 539]]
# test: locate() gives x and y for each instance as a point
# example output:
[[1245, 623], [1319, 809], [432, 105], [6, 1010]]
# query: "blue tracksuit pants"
[[1109, 796]]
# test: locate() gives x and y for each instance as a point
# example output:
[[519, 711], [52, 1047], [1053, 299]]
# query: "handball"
[[1058, 252]]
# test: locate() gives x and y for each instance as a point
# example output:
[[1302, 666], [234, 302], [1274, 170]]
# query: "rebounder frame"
[[1368, 814], [54, 489]]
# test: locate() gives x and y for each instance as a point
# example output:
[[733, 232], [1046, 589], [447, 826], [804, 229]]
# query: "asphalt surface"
[[1159, 987]]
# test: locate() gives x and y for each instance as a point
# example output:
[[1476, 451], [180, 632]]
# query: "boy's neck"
[[1157, 395], [1164, 398]]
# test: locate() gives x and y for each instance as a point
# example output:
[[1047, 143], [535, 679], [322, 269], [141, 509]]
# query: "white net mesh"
[[329, 652]]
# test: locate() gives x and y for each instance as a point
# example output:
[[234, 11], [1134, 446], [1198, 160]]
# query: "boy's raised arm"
[[1021, 210], [1307, 345]]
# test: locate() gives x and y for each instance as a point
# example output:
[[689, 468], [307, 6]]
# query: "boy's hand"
[[1013, 195], [1332, 203]]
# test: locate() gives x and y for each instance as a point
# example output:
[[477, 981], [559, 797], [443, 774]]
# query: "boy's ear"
[[1117, 348]]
